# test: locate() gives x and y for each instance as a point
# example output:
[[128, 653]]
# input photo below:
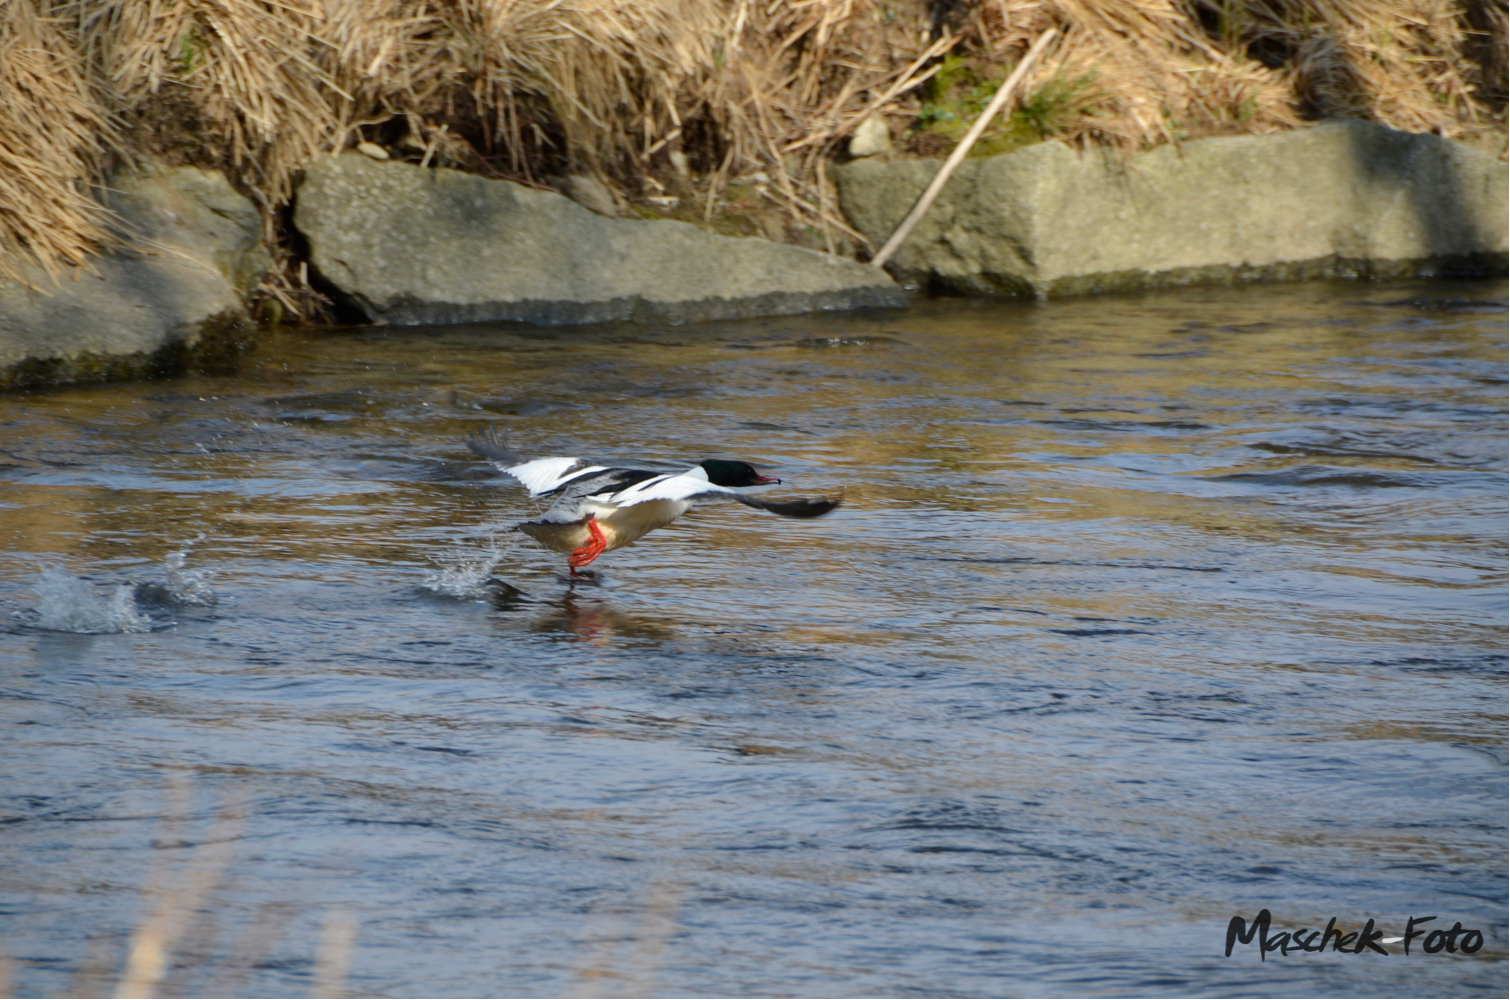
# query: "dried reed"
[[625, 88], [54, 134]]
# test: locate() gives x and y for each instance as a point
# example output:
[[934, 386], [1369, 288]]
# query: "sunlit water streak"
[[1141, 613]]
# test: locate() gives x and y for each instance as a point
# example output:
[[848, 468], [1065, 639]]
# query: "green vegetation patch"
[[960, 91]]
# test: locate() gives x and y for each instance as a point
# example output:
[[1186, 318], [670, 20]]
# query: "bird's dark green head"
[[734, 474]]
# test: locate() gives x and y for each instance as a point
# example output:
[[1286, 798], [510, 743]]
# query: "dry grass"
[[623, 88], [1152, 71], [54, 133]]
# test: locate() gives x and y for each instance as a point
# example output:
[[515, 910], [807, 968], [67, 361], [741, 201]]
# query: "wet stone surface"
[[1141, 612]]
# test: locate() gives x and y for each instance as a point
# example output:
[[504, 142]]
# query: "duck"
[[598, 508]]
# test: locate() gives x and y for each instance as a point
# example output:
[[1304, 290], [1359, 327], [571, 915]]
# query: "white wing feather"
[[680, 488], [542, 475]]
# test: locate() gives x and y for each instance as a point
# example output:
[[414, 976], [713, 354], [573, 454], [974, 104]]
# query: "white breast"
[[627, 524]]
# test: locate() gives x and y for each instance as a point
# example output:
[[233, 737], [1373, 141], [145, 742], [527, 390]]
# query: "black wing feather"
[[591, 484], [814, 507], [488, 443]]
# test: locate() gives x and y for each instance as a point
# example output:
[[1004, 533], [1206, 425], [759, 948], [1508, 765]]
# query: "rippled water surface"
[[1140, 613]]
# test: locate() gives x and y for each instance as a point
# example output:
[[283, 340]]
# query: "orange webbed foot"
[[587, 553]]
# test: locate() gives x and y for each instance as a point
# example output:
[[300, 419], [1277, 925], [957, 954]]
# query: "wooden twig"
[[961, 151]]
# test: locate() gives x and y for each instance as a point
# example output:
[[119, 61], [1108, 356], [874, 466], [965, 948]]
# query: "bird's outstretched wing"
[[801, 507], [621, 487], [487, 442], [690, 490], [539, 475]]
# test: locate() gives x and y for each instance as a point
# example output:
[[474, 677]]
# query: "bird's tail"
[[493, 445]]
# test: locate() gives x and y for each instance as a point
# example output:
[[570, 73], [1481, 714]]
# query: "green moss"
[[1004, 140], [217, 350], [1106, 282], [953, 73], [742, 212], [957, 96], [1056, 105], [190, 53]]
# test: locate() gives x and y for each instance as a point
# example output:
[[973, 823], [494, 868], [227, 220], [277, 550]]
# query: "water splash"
[[183, 588], [468, 575], [70, 604], [187, 586], [463, 575]]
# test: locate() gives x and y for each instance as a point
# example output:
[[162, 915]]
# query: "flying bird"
[[598, 509]]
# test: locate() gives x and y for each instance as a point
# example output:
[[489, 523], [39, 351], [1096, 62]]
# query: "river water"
[[1140, 613]]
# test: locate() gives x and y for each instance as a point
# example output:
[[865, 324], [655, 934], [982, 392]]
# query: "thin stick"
[[961, 151]]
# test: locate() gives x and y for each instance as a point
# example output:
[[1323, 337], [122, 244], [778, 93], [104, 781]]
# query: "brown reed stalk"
[[54, 138], [539, 88]]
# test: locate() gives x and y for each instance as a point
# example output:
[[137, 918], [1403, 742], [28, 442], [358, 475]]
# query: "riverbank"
[[390, 242], [738, 121], [1340, 199], [722, 109]]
